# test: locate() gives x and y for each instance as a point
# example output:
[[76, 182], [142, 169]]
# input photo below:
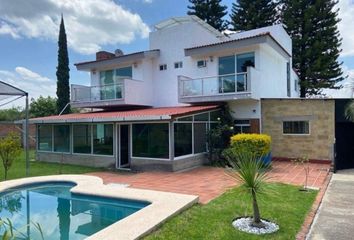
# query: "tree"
[[63, 90], [250, 171], [43, 107], [10, 148], [247, 15], [12, 114], [312, 26], [211, 11]]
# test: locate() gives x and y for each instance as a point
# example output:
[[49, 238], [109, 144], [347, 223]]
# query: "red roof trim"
[[163, 113]]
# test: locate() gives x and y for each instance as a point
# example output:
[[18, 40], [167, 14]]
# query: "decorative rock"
[[244, 225]]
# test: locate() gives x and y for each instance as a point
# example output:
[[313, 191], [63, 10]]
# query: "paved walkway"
[[335, 218], [210, 182]]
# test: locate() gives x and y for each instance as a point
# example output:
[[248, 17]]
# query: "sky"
[[29, 33]]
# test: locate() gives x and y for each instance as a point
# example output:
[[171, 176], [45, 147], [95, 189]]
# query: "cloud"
[[29, 81], [89, 24], [346, 13]]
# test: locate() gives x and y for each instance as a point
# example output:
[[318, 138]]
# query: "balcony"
[[214, 89], [126, 92]]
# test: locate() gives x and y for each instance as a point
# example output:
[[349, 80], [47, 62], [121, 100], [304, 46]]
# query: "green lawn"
[[286, 205], [18, 169]]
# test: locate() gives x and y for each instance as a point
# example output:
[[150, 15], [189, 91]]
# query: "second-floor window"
[[114, 76], [178, 64], [163, 67], [232, 71], [111, 82]]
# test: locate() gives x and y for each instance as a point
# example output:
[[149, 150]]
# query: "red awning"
[[148, 114]]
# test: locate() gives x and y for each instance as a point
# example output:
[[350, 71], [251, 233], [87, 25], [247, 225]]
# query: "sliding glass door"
[[233, 72]]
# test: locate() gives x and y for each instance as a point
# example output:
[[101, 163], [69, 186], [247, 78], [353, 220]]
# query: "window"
[[163, 67], [82, 138], [151, 140], [200, 137], [107, 88], [102, 139], [178, 64], [242, 126], [227, 74], [61, 138], [125, 72], [185, 119], [296, 82], [243, 61], [296, 127], [106, 77], [45, 137], [202, 117], [201, 63], [288, 89], [183, 139]]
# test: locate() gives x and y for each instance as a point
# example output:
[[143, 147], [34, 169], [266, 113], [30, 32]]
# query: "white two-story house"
[[152, 109]]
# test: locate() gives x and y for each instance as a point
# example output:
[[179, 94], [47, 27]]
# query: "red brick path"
[[210, 182]]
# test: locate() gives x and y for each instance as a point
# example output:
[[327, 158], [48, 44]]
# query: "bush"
[[258, 144], [10, 148]]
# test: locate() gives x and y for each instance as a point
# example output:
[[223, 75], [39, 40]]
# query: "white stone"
[[244, 225]]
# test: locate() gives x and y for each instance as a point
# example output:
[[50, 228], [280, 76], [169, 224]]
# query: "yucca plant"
[[349, 111], [251, 172]]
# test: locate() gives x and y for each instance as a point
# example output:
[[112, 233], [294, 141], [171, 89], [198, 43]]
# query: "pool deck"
[[210, 182], [163, 204]]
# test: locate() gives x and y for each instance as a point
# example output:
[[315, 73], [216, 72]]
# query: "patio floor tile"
[[210, 182]]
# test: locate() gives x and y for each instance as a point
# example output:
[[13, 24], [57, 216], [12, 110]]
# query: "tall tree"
[[247, 15], [312, 25], [42, 107], [211, 11], [63, 90]]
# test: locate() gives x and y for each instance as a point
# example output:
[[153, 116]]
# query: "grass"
[[286, 205], [18, 169]]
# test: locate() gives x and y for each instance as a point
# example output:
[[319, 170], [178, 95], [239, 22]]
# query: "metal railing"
[[216, 85], [114, 91]]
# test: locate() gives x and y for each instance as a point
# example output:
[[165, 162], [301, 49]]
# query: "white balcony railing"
[[212, 86], [81, 93]]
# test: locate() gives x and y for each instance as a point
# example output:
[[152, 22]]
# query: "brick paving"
[[210, 182]]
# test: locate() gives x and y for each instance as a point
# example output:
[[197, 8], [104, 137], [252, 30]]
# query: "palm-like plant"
[[251, 172], [349, 111]]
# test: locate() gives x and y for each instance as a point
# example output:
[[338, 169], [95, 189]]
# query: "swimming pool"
[[61, 214]]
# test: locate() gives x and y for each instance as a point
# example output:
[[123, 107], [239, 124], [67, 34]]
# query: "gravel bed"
[[244, 224]]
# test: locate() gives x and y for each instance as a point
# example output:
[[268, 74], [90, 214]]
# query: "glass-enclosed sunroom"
[[156, 138]]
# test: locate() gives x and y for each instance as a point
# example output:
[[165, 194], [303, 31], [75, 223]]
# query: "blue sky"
[[28, 35]]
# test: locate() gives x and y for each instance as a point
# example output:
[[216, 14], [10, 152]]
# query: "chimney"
[[103, 55], [118, 52]]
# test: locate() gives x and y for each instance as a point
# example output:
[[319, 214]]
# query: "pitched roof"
[[148, 114], [118, 59], [235, 40]]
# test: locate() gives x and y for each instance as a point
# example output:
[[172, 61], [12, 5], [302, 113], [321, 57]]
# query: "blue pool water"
[[61, 214]]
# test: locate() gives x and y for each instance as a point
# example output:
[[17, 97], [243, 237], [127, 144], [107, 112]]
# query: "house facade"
[[152, 109]]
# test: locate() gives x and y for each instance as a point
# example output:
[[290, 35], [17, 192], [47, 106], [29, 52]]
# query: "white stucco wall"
[[160, 88], [245, 109], [172, 41]]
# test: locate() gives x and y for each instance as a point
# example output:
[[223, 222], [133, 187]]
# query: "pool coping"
[[164, 205]]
